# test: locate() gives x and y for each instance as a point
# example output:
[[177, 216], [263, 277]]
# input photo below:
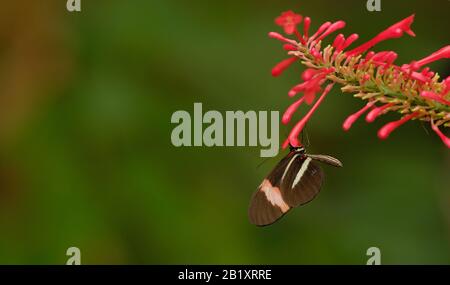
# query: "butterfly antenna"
[[424, 128], [303, 135], [307, 137], [264, 161]]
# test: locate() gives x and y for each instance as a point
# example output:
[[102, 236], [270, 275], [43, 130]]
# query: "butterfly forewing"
[[302, 182]]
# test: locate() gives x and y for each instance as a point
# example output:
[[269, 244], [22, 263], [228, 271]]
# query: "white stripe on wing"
[[301, 171], [289, 164]]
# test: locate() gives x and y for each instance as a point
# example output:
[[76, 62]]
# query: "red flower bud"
[[394, 31], [339, 42], [289, 47], [442, 53], [387, 129], [435, 97], [306, 25], [445, 140], [376, 112], [331, 29], [352, 118], [321, 29], [279, 37], [287, 116], [350, 40], [280, 67]]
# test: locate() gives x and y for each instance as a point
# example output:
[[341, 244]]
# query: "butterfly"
[[294, 181]]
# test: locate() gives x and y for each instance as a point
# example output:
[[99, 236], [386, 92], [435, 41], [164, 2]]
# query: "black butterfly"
[[295, 181]]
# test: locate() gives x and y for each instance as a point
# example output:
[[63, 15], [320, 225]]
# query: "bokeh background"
[[86, 159]]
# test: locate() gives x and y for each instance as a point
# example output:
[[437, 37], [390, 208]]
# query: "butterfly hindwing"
[[302, 181], [267, 204]]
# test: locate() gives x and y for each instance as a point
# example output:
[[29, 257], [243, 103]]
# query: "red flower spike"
[[372, 115], [293, 136], [289, 21], [331, 29], [445, 140], [279, 37], [280, 67], [287, 116], [415, 81], [387, 129], [306, 25], [352, 118], [394, 31], [435, 97]]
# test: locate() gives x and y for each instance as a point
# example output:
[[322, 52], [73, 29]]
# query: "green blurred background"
[[86, 159]]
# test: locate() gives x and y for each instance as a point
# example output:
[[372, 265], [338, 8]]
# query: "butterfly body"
[[295, 180]]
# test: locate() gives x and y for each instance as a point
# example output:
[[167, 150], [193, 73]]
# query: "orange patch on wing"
[[273, 195]]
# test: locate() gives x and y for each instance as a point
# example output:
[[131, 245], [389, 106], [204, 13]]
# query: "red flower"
[[369, 75], [298, 128], [289, 21], [394, 31]]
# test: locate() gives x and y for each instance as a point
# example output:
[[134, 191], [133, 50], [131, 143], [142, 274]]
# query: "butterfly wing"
[[267, 204], [302, 181], [326, 159], [296, 180]]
